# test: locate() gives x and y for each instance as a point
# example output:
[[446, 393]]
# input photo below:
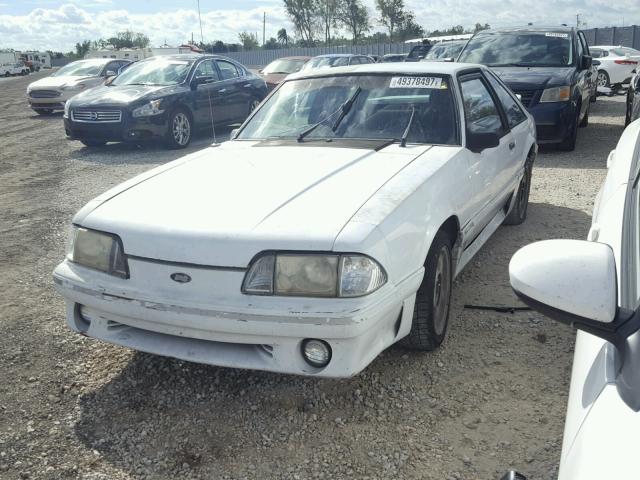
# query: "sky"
[[58, 24]]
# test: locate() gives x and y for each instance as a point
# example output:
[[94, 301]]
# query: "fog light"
[[317, 353]]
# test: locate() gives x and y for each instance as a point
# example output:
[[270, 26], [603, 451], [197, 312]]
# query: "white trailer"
[[8, 58], [36, 60]]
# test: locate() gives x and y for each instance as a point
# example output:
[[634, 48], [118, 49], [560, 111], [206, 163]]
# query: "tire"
[[518, 213], [569, 143], [44, 111], [585, 120], [433, 299], [7, 74], [179, 129], [602, 80], [93, 143], [253, 105]]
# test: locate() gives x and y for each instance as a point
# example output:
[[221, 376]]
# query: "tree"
[[392, 14], [303, 15], [479, 27], [409, 29], [283, 38], [327, 11], [249, 40], [271, 44], [82, 48], [355, 17]]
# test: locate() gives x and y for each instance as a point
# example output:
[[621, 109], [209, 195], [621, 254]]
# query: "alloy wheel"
[[181, 129], [441, 291]]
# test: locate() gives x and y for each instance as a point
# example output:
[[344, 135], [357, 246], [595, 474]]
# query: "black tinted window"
[[227, 70], [519, 48], [480, 111], [206, 69], [514, 113]]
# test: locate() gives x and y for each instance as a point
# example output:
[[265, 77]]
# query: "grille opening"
[[398, 324], [82, 321], [268, 349]]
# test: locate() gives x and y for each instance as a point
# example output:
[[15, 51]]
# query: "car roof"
[[294, 57], [529, 28], [190, 56], [418, 68], [339, 55]]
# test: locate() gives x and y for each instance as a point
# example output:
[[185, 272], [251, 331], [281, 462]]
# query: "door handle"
[[248, 85], [222, 90], [512, 145]]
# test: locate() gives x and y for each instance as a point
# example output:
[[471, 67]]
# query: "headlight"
[[67, 106], [313, 275], [556, 94], [74, 86], [151, 108], [98, 250]]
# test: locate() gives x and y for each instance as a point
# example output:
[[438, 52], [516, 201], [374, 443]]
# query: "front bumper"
[[129, 129], [263, 333], [554, 121], [56, 102]]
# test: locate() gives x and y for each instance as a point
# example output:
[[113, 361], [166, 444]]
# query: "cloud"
[[61, 28]]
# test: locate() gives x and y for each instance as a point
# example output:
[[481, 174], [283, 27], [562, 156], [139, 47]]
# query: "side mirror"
[[111, 73], [234, 133], [477, 142], [573, 282], [586, 62], [260, 71], [595, 62]]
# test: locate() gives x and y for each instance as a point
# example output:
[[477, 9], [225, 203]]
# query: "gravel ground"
[[492, 398]]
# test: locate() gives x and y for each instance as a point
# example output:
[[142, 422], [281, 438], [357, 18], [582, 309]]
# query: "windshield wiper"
[[405, 134], [345, 106]]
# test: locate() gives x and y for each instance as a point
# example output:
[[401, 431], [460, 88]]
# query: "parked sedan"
[[616, 64], [277, 70], [393, 57], [51, 93], [593, 285], [165, 97], [633, 100], [337, 60], [331, 227], [548, 68]]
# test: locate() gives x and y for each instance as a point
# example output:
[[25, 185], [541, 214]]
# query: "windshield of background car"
[[284, 66], [527, 49], [382, 109], [320, 62], [444, 51], [160, 71], [83, 68]]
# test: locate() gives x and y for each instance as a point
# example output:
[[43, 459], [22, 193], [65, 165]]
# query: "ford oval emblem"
[[180, 277]]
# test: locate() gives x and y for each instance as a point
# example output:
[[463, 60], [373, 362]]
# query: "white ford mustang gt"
[[329, 228]]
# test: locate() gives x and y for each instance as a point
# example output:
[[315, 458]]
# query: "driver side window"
[[480, 111]]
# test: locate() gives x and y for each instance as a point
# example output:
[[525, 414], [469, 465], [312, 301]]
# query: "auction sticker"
[[556, 34], [415, 82]]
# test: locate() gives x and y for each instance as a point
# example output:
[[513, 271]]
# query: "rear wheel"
[[431, 309], [179, 129], [253, 105], [569, 143], [93, 143], [602, 80]]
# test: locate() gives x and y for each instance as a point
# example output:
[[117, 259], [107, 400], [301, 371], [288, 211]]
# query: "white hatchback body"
[[206, 217]]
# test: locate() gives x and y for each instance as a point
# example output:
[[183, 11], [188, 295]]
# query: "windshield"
[[419, 51], [377, 107], [84, 68], [444, 50], [158, 71], [527, 49], [284, 65], [320, 62]]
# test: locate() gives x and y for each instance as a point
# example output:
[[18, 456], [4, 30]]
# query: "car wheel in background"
[[602, 80], [431, 310], [253, 105], [518, 213], [179, 129], [569, 143], [7, 74], [93, 143]]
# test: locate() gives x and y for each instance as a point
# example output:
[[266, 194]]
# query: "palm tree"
[[283, 37]]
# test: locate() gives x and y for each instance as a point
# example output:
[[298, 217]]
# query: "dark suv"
[[550, 71]]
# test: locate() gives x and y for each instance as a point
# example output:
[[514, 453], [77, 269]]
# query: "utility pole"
[[577, 20], [200, 20], [264, 27]]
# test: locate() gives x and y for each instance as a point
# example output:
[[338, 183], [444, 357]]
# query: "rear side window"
[[597, 53], [206, 69], [227, 70], [514, 113], [480, 111]]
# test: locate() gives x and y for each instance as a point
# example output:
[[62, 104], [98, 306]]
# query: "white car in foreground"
[[331, 227], [616, 64], [594, 285], [51, 93]]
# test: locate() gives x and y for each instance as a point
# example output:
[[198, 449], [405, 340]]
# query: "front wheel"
[[431, 309], [179, 129], [7, 74], [569, 143], [602, 80], [518, 213]]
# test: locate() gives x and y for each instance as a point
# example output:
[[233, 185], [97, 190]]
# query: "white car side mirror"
[[234, 133], [573, 277]]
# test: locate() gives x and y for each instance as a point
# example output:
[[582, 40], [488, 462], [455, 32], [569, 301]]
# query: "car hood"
[[121, 94], [57, 82], [534, 78], [224, 205]]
